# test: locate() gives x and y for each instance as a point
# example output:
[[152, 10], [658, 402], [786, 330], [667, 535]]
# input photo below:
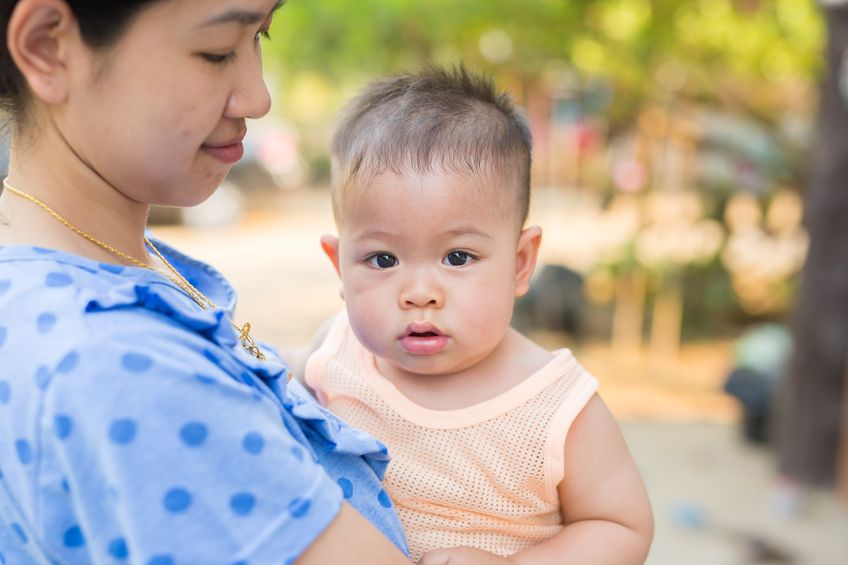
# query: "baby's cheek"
[[368, 330]]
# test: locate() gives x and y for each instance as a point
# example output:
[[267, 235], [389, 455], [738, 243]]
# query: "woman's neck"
[[50, 172]]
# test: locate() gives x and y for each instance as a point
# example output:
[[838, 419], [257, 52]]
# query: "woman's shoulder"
[[39, 288], [58, 310]]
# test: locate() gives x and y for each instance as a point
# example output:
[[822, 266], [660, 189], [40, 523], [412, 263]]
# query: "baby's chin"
[[430, 366]]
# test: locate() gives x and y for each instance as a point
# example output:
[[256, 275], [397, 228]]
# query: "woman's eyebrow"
[[241, 17]]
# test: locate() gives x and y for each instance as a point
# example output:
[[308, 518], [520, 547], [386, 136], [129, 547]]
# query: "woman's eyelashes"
[[218, 58], [221, 58]]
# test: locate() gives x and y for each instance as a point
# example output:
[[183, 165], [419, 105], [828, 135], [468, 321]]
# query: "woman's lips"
[[228, 154]]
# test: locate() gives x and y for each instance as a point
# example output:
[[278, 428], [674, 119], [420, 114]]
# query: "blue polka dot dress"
[[134, 428]]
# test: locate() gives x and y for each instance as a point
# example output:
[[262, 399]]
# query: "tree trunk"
[[809, 407]]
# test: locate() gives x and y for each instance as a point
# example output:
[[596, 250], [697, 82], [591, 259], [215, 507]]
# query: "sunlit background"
[[672, 143]]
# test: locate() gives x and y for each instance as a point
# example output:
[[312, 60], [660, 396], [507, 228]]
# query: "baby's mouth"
[[422, 329], [423, 338]]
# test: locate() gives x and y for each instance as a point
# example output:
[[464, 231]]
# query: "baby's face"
[[428, 269]]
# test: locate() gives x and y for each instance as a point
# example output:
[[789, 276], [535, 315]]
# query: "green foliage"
[[711, 49]]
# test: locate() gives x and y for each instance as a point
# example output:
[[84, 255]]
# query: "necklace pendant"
[[248, 343]]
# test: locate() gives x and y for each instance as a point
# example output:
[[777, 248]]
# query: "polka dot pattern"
[[118, 548], [384, 500], [114, 269], [211, 357], [19, 531], [346, 486], [177, 500], [154, 417], [24, 451], [73, 537], [299, 507], [122, 431], [45, 322], [62, 425], [42, 377], [194, 434], [68, 363], [58, 280], [253, 443], [242, 503], [205, 379], [136, 362]]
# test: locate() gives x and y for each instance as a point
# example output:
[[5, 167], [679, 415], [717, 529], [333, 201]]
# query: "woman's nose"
[[250, 97]]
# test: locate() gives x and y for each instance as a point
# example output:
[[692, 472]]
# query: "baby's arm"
[[605, 509]]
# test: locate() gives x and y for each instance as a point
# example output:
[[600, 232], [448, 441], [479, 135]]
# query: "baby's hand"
[[462, 556]]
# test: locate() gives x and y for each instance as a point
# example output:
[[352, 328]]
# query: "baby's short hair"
[[439, 119]]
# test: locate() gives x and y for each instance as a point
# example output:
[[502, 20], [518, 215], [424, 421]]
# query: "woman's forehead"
[[213, 14]]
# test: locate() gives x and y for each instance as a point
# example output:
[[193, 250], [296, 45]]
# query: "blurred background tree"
[[742, 53], [626, 98]]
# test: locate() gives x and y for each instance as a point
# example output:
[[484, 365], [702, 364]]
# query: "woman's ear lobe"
[[38, 40]]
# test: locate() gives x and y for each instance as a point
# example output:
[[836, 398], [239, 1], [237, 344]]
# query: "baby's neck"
[[514, 360]]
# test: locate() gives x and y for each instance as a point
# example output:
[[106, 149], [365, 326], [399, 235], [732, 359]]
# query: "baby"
[[502, 452]]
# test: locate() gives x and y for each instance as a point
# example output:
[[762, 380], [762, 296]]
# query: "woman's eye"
[[457, 258], [263, 34], [218, 59], [383, 260]]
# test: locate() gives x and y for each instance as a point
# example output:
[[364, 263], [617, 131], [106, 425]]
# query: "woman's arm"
[[168, 453], [352, 539]]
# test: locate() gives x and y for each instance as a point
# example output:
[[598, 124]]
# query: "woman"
[[138, 421]]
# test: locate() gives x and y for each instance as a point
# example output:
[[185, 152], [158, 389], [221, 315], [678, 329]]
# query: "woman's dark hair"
[[101, 24]]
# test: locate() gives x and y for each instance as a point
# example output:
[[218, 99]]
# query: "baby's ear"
[[330, 245], [525, 258]]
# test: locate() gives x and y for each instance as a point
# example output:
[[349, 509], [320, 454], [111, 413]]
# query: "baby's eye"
[[383, 260], [457, 258]]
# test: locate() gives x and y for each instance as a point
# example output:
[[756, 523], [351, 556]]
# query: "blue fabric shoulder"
[[147, 417]]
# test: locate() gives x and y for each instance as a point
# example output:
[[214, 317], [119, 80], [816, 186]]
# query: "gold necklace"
[[200, 298]]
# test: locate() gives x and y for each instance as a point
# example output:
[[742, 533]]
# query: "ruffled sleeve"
[[152, 435], [272, 372]]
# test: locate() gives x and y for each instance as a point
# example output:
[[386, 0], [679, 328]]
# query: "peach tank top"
[[484, 476]]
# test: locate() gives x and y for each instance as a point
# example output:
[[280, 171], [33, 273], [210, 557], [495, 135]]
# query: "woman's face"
[[161, 114]]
